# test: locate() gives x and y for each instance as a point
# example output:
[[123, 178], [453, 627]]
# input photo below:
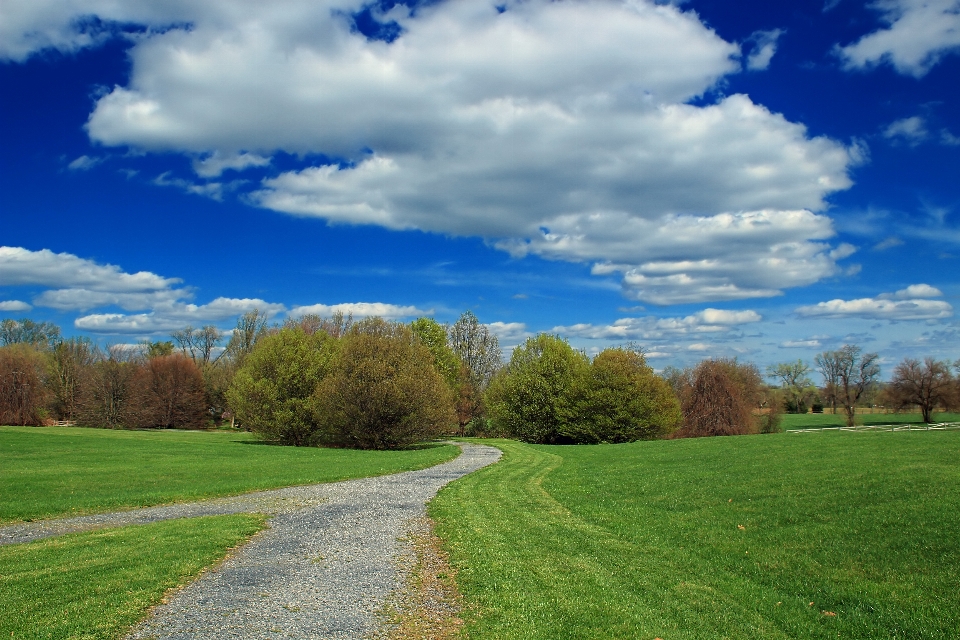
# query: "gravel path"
[[323, 569]]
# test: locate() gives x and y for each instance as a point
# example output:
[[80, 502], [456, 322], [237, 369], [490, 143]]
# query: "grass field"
[[48, 472], [815, 420], [849, 535], [98, 584]]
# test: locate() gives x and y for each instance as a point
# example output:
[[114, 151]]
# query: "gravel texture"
[[324, 568]]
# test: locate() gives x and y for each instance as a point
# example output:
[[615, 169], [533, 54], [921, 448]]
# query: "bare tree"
[[26, 331], [848, 373], [927, 385], [336, 326], [198, 344], [251, 327], [169, 393], [21, 385], [69, 367], [107, 397], [477, 348]]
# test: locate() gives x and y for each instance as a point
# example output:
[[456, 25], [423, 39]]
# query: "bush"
[[107, 391], [721, 400], [169, 393], [383, 390], [271, 394], [621, 399]]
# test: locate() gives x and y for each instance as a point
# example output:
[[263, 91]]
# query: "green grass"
[[645, 541], [816, 420], [98, 584], [48, 472]]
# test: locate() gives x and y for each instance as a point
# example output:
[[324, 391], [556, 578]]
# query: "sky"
[[760, 180]]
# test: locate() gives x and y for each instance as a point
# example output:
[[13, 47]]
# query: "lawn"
[[826, 535], [819, 420], [49, 472], [100, 583]]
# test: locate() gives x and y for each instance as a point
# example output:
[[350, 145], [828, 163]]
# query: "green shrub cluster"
[[551, 393]]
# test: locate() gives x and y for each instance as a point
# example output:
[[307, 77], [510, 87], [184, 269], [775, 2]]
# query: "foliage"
[[528, 398], [433, 335], [928, 385], [795, 382], [98, 584], [711, 538], [22, 392], [169, 393], [383, 391], [848, 373], [620, 399], [59, 471], [271, 392], [155, 349], [479, 353], [25, 331]]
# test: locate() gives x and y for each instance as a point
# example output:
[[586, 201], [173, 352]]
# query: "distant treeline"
[[374, 383]]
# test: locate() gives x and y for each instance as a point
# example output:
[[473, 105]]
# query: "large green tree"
[[271, 393]]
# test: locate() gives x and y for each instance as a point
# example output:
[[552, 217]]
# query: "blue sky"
[[760, 180]]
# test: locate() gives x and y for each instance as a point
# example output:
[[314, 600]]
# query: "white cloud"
[[764, 47], [360, 310], [84, 163], [918, 35], [948, 139], [14, 305], [477, 122], [888, 243], [812, 343], [169, 317], [912, 130], [698, 346], [653, 328], [509, 331], [911, 303], [19, 266], [85, 299]]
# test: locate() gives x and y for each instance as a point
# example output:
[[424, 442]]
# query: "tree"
[[70, 363], [156, 349], [479, 352], [383, 390], [106, 392], [433, 336], [198, 344], [927, 385], [272, 390], [26, 331], [848, 374], [795, 382], [169, 393], [621, 399], [22, 392], [251, 328], [718, 402], [527, 399]]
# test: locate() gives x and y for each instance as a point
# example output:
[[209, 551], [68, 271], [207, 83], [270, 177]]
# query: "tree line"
[[374, 383]]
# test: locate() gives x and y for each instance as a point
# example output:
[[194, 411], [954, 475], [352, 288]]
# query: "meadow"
[[823, 535], [821, 420], [51, 472]]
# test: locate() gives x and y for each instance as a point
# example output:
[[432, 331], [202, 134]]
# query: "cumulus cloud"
[[481, 120], [911, 303], [912, 130], [170, 317], [360, 310], [918, 34], [19, 266], [653, 328], [764, 47], [14, 305]]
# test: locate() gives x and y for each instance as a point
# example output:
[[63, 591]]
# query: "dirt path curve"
[[323, 569]]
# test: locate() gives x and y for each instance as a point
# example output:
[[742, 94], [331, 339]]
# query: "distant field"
[[826, 535], [49, 471], [814, 420]]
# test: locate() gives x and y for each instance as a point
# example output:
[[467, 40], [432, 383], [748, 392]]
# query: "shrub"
[[107, 391], [621, 399], [720, 400], [169, 393], [271, 392], [383, 390]]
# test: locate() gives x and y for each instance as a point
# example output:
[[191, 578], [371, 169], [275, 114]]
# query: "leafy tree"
[[22, 392], [621, 399], [480, 357], [70, 361], [848, 373], [336, 325], [527, 399], [155, 349], [795, 382], [433, 336], [26, 331], [251, 328], [272, 390], [169, 393], [927, 385], [383, 390]]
